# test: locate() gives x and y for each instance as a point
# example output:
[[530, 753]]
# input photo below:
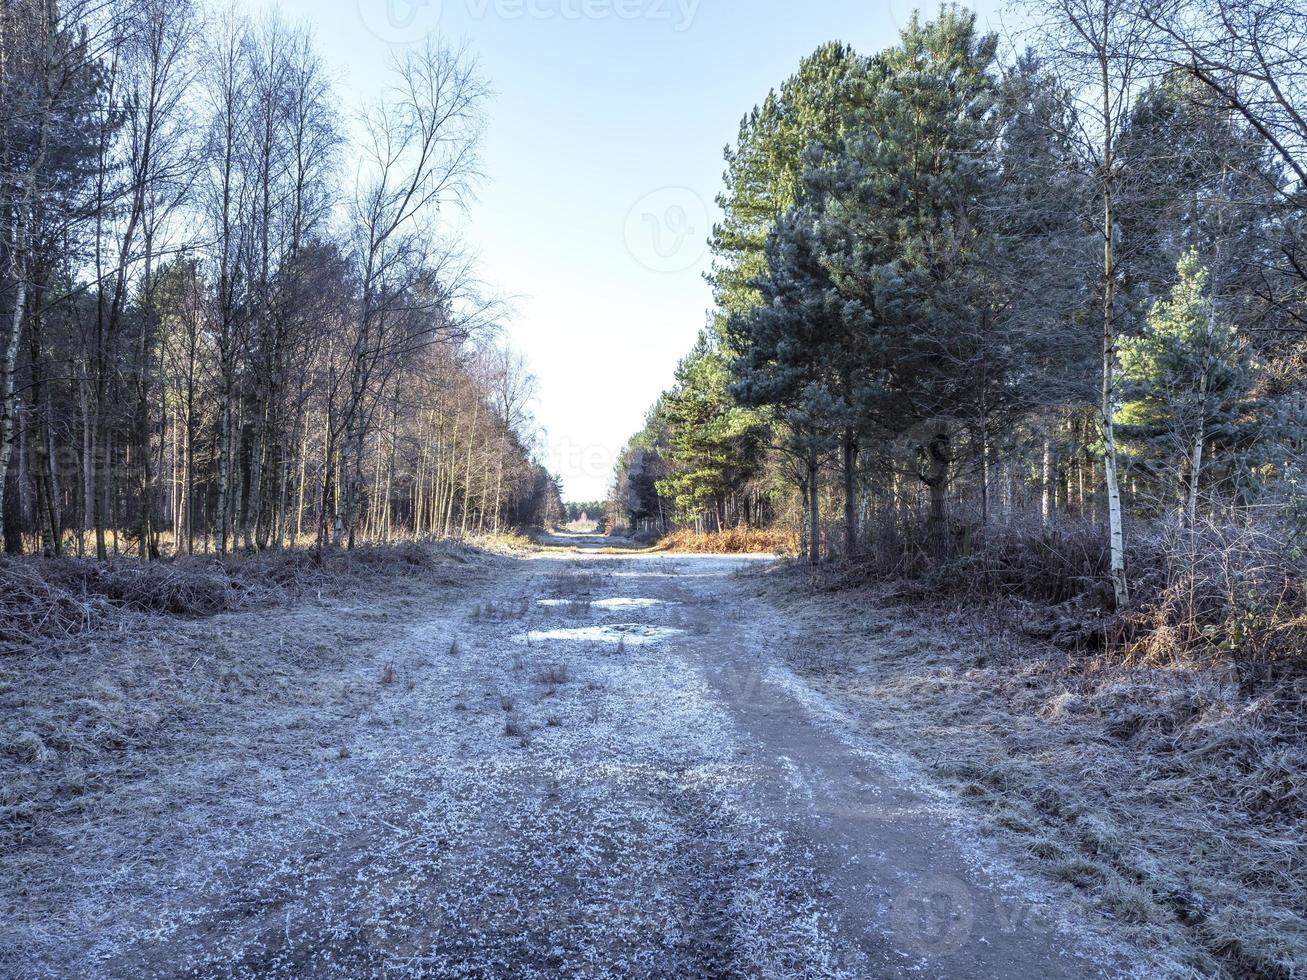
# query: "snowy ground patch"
[[631, 634], [620, 602]]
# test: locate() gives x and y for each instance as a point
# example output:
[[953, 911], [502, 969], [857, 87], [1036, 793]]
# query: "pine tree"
[[787, 352], [765, 169], [1188, 384], [902, 232], [713, 444]]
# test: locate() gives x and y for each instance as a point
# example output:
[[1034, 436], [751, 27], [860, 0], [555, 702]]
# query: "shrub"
[[45, 599], [1220, 595], [733, 541]]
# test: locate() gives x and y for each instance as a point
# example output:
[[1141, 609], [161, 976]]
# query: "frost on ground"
[[616, 602], [624, 634], [1172, 803], [383, 781]]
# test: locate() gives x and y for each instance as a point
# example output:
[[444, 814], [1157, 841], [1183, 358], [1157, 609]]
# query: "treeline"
[[230, 320], [585, 510], [954, 290]]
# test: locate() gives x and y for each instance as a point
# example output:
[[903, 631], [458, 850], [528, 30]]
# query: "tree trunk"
[[1046, 482], [41, 447], [11, 518], [1195, 472], [1120, 583], [144, 390], [1200, 437], [224, 471], [8, 400], [850, 492], [814, 511], [939, 458]]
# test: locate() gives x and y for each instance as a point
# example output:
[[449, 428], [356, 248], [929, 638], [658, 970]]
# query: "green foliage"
[[765, 169], [593, 509], [926, 347], [908, 279], [640, 466], [1189, 376], [713, 445], [1183, 156]]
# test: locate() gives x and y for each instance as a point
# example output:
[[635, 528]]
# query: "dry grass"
[[44, 600], [1215, 597], [1172, 798], [554, 675], [733, 541], [1221, 596], [516, 728], [1020, 559], [126, 741], [103, 660], [502, 542]]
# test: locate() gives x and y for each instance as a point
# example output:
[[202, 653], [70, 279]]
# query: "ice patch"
[[616, 603], [632, 634]]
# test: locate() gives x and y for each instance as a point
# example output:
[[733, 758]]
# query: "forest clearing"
[[413, 772], [618, 488]]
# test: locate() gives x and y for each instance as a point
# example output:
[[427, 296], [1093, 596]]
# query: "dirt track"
[[453, 792]]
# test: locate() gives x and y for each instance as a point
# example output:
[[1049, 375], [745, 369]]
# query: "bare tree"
[[1251, 56], [512, 387], [1100, 49], [42, 82], [150, 75], [226, 77], [419, 155]]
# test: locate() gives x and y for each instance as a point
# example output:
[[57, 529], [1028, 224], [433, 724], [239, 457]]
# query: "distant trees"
[[592, 509], [214, 334], [713, 445], [1066, 284], [634, 500]]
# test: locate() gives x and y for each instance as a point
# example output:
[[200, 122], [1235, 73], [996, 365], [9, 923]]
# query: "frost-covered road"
[[584, 765]]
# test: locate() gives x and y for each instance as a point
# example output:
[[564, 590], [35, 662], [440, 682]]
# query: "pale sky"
[[603, 156]]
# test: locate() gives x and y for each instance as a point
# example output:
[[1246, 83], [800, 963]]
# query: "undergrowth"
[[1154, 758], [732, 541], [1216, 596], [43, 600]]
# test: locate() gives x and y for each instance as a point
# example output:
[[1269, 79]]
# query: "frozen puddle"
[[621, 603], [632, 634]]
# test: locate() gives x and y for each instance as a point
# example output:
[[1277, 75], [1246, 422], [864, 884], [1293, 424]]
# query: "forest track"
[[472, 802]]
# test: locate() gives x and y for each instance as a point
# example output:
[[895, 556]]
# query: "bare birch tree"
[[1100, 50]]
